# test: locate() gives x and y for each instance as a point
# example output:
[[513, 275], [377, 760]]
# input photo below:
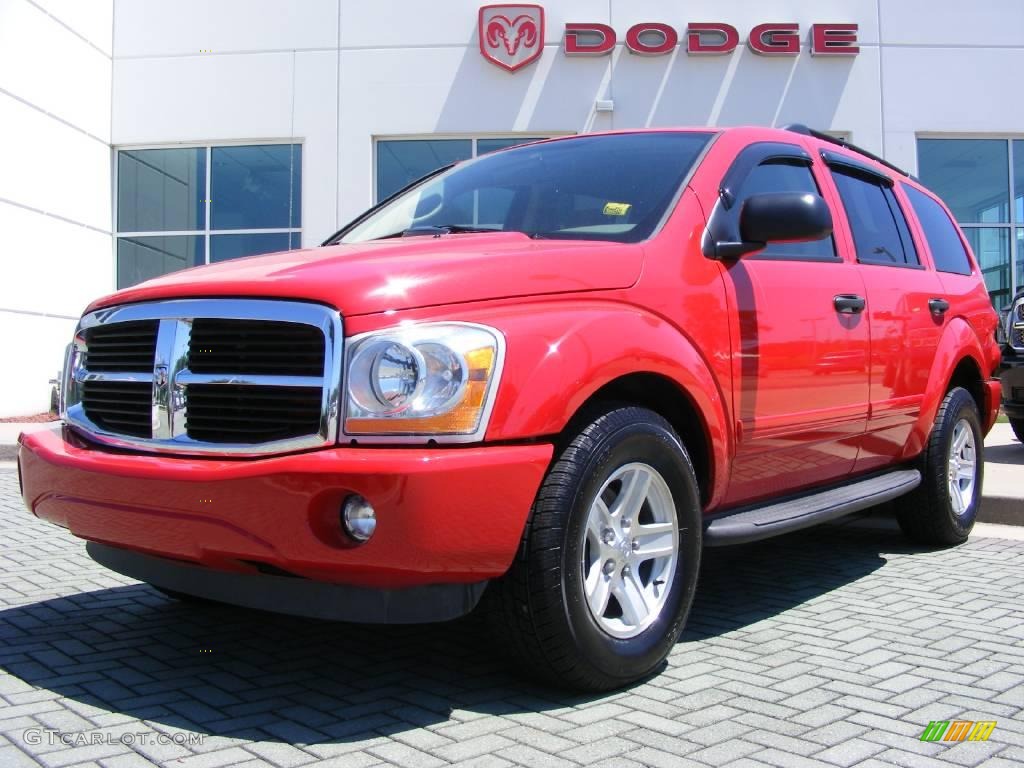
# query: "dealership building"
[[147, 136]]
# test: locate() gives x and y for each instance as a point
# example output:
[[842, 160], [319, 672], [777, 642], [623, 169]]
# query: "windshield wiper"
[[447, 229]]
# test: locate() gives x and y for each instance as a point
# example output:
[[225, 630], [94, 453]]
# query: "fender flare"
[[958, 342]]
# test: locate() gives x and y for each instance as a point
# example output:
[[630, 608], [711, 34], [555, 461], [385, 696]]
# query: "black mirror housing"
[[784, 217]]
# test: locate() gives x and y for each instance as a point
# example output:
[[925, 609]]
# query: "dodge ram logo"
[[511, 36]]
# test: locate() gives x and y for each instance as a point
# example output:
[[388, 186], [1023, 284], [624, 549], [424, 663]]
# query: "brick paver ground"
[[834, 647]]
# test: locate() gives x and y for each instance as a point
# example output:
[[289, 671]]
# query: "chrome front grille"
[[207, 376]]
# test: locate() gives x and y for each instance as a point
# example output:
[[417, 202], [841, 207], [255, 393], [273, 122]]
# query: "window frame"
[[1015, 253], [206, 233]]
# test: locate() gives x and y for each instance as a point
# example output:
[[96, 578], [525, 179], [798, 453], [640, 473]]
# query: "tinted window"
[[880, 232], [402, 161], [616, 187], [943, 240], [787, 177], [161, 190], [970, 175], [256, 187]]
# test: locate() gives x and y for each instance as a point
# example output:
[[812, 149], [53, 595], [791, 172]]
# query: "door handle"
[[849, 304], [938, 307]]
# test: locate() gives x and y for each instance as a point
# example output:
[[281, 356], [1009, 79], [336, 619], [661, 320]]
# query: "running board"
[[780, 517]]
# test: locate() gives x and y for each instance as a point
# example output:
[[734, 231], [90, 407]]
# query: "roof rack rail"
[[804, 130]]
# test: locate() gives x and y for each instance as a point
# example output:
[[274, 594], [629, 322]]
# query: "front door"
[[800, 347]]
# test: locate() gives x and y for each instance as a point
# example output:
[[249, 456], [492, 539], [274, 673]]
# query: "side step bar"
[[753, 523]]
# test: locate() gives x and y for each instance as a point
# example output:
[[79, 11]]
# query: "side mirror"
[[778, 217], [785, 217]]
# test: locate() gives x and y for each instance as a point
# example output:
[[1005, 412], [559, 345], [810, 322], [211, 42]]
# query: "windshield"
[[613, 187]]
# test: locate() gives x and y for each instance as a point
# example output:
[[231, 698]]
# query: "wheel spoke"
[[955, 496], [960, 436], [965, 472], [634, 491], [653, 540], [597, 521], [630, 593], [598, 588]]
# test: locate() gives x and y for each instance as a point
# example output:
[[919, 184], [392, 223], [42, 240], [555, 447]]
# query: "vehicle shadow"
[[1005, 454], [234, 672]]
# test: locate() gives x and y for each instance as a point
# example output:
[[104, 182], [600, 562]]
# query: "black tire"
[[927, 515], [539, 611], [1017, 425]]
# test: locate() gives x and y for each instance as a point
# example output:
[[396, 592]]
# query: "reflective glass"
[[401, 162], [1020, 259], [483, 146], [970, 175], [877, 234], [256, 187], [143, 258], [1018, 181], [161, 190], [943, 241], [225, 247], [991, 246]]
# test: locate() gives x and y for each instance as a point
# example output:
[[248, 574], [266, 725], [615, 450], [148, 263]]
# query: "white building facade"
[[144, 136]]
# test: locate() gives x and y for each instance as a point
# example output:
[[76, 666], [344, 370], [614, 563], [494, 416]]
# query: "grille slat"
[[121, 347], [256, 347], [123, 407], [219, 413]]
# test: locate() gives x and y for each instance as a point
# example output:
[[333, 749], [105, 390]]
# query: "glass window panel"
[[161, 190], [1018, 180], [256, 187], [991, 246], [1020, 259], [483, 146], [970, 175], [401, 162], [225, 247], [877, 235], [143, 258], [943, 241], [787, 177]]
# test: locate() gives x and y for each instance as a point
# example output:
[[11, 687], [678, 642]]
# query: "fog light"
[[359, 517]]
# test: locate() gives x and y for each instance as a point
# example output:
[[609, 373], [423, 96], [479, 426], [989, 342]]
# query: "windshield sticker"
[[617, 209]]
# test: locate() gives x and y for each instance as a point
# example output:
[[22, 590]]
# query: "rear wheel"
[[943, 508], [1017, 425], [607, 567]]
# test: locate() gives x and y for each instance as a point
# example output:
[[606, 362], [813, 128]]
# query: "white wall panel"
[[185, 27], [92, 19], [403, 23], [243, 96], [316, 112], [977, 23], [51, 167], [52, 266], [37, 343], [47, 65]]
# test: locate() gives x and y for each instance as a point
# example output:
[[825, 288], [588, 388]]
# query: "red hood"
[[406, 273]]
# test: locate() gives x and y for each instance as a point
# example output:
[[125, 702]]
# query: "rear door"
[[904, 303], [799, 361]]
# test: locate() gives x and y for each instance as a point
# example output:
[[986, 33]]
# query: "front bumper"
[[1011, 376], [444, 516]]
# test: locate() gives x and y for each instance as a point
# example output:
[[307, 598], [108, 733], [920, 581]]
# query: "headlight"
[[430, 380]]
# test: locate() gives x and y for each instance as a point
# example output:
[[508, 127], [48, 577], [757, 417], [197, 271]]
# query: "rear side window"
[[880, 231], [787, 177], [940, 232]]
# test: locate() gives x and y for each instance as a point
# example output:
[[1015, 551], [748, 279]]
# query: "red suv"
[[552, 375]]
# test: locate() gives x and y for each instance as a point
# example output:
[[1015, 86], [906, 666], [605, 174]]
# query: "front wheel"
[[606, 571], [943, 508]]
